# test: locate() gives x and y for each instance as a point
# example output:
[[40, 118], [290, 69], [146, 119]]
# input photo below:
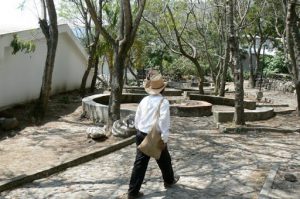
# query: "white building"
[[21, 74], [267, 49]]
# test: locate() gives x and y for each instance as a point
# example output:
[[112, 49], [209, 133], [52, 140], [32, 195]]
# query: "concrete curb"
[[261, 113], [23, 179], [242, 129], [266, 189], [282, 112]]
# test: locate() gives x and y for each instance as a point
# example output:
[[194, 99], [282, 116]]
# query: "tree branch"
[[126, 10], [135, 25], [161, 36], [177, 35], [98, 21]]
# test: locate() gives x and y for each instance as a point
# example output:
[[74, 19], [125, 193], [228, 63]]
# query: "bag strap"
[[158, 109]]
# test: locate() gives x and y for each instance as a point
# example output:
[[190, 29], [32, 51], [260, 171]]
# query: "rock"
[[8, 123], [289, 86], [259, 95], [290, 177], [129, 121], [96, 133], [124, 128]]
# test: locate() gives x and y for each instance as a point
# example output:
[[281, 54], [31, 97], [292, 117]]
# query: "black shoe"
[[140, 194], [176, 178], [128, 196]]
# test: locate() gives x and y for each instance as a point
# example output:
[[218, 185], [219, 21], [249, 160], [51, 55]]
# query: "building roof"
[[6, 29], [35, 34]]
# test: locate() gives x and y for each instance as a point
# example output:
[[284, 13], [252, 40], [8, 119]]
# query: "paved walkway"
[[211, 165]]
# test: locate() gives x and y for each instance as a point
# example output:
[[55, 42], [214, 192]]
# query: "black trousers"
[[141, 164]]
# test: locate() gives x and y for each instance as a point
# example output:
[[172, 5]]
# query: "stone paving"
[[211, 165], [36, 148]]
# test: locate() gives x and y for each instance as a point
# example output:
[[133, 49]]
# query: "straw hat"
[[155, 85]]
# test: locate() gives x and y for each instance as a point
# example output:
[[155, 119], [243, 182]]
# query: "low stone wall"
[[95, 107], [199, 110], [262, 113], [278, 85], [186, 85], [140, 90], [216, 100], [134, 89], [179, 85]]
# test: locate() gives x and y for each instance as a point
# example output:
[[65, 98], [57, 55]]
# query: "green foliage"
[[20, 45], [229, 77], [263, 22], [180, 67], [246, 75], [111, 15], [156, 57], [137, 53], [273, 65]]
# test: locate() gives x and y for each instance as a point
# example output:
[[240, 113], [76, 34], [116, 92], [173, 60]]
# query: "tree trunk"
[[115, 99], [293, 41], [121, 45], [109, 59], [297, 85], [218, 77], [200, 74], [134, 75], [94, 80], [258, 73], [236, 66], [91, 63], [224, 71], [125, 70], [51, 33], [251, 70]]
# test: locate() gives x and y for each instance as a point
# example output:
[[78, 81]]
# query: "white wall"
[[69, 66], [21, 74], [106, 72]]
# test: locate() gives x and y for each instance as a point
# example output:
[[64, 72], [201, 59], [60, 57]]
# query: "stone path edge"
[[266, 189], [23, 179]]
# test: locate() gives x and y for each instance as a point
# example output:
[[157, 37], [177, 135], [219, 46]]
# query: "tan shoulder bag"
[[152, 144]]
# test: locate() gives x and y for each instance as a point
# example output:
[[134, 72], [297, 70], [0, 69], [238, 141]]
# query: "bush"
[[179, 68], [273, 65], [229, 77], [246, 75]]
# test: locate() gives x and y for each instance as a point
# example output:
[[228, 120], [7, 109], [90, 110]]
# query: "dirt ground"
[[36, 146]]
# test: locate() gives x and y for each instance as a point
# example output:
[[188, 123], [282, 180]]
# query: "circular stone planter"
[[141, 90], [191, 108], [95, 107]]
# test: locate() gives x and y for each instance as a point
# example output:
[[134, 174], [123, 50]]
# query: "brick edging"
[[23, 179]]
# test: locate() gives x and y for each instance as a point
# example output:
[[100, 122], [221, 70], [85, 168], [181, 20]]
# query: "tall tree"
[[293, 41], [279, 9], [48, 25], [221, 45], [174, 30], [121, 45], [235, 61]]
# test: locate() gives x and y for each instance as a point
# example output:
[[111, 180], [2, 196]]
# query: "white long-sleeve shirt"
[[146, 114]]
